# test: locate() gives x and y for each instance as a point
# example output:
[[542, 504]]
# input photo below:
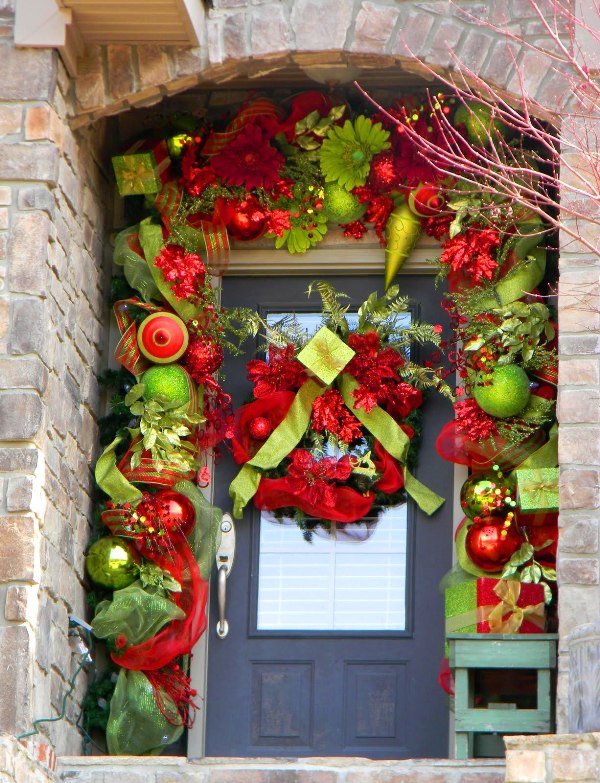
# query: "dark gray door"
[[334, 646]]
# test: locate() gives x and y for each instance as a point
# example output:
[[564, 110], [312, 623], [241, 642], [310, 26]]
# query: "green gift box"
[[537, 489], [143, 169], [325, 355]]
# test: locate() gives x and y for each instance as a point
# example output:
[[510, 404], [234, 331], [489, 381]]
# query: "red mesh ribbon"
[[273, 407], [350, 505], [127, 352], [179, 636], [261, 107], [457, 447]]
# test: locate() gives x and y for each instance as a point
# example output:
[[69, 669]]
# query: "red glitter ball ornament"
[[245, 220], [491, 542], [202, 358], [260, 428]]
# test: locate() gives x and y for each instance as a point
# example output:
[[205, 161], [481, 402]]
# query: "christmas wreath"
[[328, 434]]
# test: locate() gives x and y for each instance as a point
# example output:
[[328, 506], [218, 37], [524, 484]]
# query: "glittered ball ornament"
[[260, 428], [245, 219], [486, 494], [168, 383], [112, 563], [503, 393], [491, 543], [162, 338], [425, 200], [169, 511], [340, 205], [203, 357]]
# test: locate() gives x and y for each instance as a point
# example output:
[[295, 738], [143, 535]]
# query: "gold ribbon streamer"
[[277, 446], [395, 441]]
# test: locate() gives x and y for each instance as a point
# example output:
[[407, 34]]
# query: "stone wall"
[[54, 207]]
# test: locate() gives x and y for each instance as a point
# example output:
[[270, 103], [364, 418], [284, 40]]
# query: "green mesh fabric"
[[135, 612], [136, 726], [206, 535]]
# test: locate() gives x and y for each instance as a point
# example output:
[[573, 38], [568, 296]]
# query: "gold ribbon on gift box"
[[504, 617]]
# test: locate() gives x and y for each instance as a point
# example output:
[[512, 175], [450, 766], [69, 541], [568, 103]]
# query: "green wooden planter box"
[[469, 653]]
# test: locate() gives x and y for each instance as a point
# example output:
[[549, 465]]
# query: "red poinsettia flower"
[[371, 367], [329, 412], [249, 160], [281, 373], [471, 253], [315, 478], [185, 272], [472, 421]]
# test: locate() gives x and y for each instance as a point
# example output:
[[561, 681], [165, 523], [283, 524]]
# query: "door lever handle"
[[225, 556]]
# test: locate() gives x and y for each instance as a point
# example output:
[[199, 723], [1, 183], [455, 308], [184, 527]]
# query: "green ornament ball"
[[112, 563], [486, 494], [169, 383], [503, 393], [340, 205], [480, 124]]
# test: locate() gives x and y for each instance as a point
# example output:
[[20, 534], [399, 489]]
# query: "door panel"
[[355, 679]]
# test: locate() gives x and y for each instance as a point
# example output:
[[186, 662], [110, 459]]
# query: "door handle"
[[225, 556]]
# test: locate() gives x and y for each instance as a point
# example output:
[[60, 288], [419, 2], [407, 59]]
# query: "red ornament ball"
[[260, 428], [162, 338], [491, 543], [425, 200], [170, 511], [246, 219]]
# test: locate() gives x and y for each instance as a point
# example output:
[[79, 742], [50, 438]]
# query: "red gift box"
[[488, 605]]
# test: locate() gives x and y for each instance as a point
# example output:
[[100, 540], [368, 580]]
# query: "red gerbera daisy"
[[249, 160]]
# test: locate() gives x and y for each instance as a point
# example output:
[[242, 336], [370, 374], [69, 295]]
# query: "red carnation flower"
[[278, 221], [437, 226], [185, 272], [249, 161], [470, 253], [194, 177], [281, 373]]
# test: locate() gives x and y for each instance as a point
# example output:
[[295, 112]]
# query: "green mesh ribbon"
[[395, 441], [278, 445], [544, 457], [136, 613], [136, 727], [110, 479], [205, 537], [151, 240]]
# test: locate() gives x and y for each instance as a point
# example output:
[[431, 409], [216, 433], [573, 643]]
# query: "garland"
[[329, 432]]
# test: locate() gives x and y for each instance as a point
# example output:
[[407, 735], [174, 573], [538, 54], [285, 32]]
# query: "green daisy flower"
[[347, 151]]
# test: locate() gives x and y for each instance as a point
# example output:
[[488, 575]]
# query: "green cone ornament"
[[503, 393], [112, 563], [402, 232]]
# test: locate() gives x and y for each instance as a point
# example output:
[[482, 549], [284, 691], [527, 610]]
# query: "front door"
[[334, 644]]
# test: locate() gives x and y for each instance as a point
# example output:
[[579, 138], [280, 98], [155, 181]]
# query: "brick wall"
[[53, 197]]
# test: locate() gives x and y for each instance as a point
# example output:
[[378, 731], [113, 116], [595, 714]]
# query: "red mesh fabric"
[[349, 506]]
